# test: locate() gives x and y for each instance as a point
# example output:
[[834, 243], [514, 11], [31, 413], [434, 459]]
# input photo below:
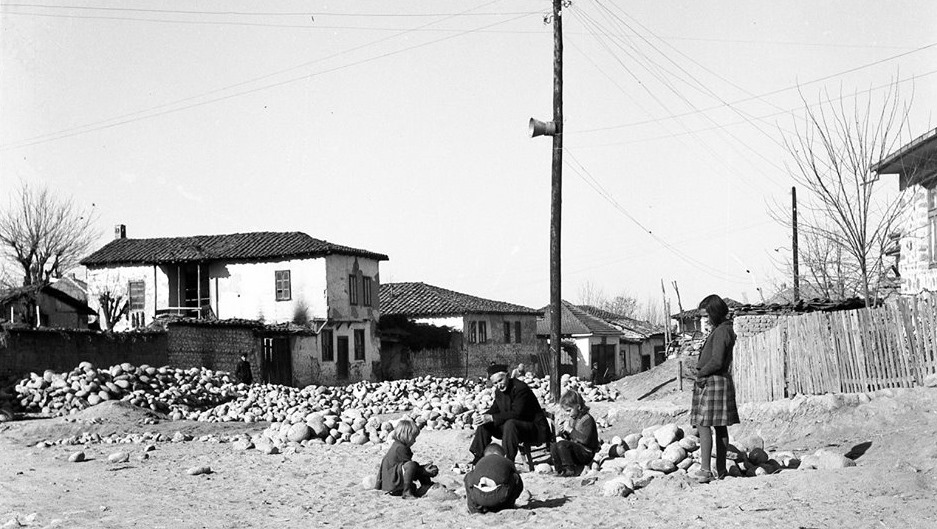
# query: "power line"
[[144, 114], [258, 13], [774, 114], [765, 94], [598, 188]]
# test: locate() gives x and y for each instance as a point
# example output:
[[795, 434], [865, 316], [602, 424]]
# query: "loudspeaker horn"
[[540, 128]]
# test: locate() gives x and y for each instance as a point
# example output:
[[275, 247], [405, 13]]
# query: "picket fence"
[[853, 351]]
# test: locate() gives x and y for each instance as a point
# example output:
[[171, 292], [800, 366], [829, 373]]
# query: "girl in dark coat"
[[580, 437], [399, 473], [714, 392]]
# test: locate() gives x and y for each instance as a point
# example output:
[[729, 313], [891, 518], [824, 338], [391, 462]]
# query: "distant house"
[[916, 167], [54, 307], [641, 345], [691, 321], [475, 331], [587, 340], [270, 277]]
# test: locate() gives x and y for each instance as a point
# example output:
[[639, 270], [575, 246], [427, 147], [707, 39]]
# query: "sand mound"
[[659, 382]]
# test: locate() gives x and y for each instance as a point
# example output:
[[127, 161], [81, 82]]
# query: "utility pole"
[[555, 129], [794, 244]]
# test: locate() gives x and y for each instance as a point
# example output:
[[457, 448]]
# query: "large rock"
[[674, 453], [662, 465], [667, 434], [824, 459], [620, 486], [299, 432], [689, 443], [633, 440]]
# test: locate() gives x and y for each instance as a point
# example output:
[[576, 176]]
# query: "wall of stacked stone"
[[750, 325], [34, 350], [213, 347], [473, 361]]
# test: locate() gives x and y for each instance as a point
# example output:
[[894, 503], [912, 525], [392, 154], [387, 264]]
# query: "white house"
[[271, 277], [587, 341], [916, 166]]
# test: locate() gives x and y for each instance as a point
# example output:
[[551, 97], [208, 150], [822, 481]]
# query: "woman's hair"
[[572, 399], [715, 308], [406, 431]]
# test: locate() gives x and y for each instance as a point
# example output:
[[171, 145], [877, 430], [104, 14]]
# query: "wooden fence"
[[840, 352]]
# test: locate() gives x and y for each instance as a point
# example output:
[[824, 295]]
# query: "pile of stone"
[[161, 389], [205, 395], [637, 459]]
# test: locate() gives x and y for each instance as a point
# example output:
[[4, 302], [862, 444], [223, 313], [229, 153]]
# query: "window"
[[328, 354], [366, 291], [359, 344], [137, 290], [517, 332], [932, 221], [482, 332], [507, 332], [352, 289], [473, 332], [283, 285]]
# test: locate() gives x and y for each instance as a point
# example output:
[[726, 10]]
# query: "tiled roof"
[[419, 300], [630, 327], [574, 320], [801, 306], [234, 247], [11, 294]]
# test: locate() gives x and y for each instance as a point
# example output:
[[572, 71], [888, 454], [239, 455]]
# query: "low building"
[[641, 345], [44, 306], [587, 341], [916, 167], [429, 330]]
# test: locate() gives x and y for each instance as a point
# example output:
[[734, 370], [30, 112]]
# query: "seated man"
[[514, 417], [494, 484]]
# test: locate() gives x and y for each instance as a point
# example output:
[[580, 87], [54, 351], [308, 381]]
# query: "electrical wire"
[[148, 113]]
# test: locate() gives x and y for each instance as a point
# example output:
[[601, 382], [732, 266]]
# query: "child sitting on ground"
[[399, 474], [494, 483], [578, 436]]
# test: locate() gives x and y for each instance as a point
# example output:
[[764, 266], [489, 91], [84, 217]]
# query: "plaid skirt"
[[714, 402]]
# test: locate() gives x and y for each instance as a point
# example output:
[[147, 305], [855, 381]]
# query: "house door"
[[342, 360], [604, 356], [568, 360], [277, 366]]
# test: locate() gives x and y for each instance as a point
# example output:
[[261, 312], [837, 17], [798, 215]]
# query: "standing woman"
[[714, 405]]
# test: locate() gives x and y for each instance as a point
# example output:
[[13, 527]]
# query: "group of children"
[[494, 483]]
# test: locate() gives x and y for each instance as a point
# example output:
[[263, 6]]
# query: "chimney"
[[120, 231]]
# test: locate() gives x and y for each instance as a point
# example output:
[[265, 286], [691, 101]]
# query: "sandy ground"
[[892, 438]]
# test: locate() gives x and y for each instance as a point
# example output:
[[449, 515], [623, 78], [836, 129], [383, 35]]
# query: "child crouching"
[[494, 483], [399, 474], [579, 437]]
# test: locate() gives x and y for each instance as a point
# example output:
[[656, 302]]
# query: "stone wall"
[[750, 325], [473, 361], [34, 350], [214, 347], [917, 275]]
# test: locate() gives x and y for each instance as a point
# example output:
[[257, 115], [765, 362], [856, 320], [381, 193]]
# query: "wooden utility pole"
[[679, 306], [794, 244], [556, 195]]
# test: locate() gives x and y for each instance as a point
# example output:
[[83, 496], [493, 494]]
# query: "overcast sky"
[[401, 127]]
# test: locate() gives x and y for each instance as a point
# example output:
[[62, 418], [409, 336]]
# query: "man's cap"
[[497, 368]]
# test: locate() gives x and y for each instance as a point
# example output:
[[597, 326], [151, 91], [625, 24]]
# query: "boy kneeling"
[[494, 484]]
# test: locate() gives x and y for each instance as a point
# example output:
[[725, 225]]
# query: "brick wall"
[[213, 347], [34, 350], [750, 325]]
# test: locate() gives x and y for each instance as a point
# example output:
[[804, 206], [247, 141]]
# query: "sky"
[[401, 127]]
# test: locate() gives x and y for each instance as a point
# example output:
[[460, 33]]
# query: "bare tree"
[[845, 207], [44, 234], [113, 299], [623, 304]]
